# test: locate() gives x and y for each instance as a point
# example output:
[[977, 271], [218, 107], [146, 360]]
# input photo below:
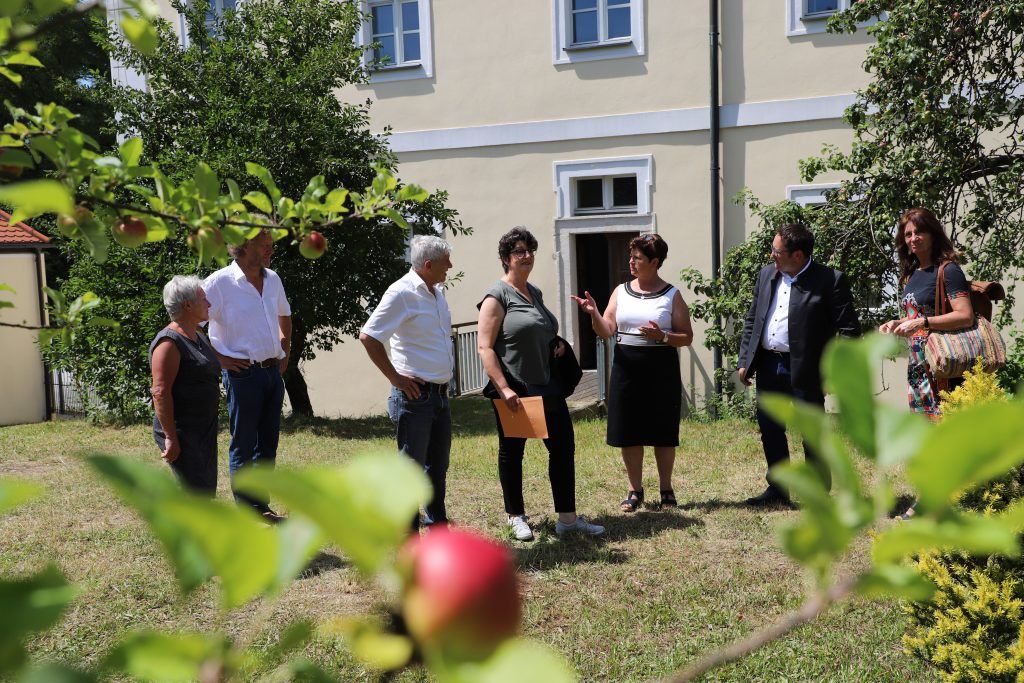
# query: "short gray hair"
[[423, 248], [180, 289]]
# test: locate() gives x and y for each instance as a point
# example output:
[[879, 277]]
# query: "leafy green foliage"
[[939, 125]]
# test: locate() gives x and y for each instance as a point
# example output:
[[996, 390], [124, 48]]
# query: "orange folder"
[[526, 423]]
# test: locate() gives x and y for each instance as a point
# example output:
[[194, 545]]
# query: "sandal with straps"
[[668, 498], [634, 499]]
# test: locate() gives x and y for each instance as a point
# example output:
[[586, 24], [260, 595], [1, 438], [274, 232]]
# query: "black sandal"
[[634, 499], [668, 499]]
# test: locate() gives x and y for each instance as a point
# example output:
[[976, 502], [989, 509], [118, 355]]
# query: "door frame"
[[565, 230]]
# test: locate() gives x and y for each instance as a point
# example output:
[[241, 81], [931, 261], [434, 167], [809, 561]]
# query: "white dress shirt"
[[776, 329], [419, 325], [244, 323]]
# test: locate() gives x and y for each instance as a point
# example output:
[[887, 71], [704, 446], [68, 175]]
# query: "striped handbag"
[[950, 353]]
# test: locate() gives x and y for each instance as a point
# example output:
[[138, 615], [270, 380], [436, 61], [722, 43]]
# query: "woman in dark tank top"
[[186, 387]]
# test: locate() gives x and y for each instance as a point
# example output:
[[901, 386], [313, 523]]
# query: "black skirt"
[[646, 397]]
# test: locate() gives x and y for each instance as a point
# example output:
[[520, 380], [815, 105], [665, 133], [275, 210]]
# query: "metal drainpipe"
[[716, 219], [47, 392]]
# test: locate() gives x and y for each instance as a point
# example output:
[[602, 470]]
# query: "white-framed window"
[[587, 30], [604, 194], [620, 185], [811, 16], [399, 31], [809, 195]]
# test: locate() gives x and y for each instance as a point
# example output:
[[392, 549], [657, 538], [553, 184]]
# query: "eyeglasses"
[[523, 253], [779, 252], [637, 259]]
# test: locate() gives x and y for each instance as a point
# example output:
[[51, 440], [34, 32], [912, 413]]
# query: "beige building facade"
[[588, 122], [25, 386]]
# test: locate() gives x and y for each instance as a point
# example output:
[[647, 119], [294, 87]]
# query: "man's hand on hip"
[[410, 386], [233, 364]]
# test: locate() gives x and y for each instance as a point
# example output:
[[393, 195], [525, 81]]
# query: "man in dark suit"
[[798, 307]]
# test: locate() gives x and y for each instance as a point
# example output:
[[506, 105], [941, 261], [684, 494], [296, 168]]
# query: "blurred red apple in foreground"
[[313, 246], [463, 597], [129, 232]]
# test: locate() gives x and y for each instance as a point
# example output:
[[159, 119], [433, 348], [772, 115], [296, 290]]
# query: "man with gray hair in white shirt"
[[413, 316]]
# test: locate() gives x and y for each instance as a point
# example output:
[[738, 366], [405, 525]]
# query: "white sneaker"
[[581, 525], [520, 529]]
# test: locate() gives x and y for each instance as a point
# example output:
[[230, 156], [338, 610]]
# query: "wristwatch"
[[664, 338], [926, 323]]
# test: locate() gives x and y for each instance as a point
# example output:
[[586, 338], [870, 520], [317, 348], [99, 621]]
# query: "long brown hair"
[[926, 222]]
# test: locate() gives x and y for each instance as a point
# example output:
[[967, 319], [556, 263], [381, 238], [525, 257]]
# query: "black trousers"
[[773, 376], [561, 445]]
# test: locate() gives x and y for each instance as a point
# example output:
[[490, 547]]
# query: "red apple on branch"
[[129, 232], [313, 246], [463, 596]]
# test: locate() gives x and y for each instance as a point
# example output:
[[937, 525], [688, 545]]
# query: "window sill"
[[584, 47], [404, 66], [817, 17]]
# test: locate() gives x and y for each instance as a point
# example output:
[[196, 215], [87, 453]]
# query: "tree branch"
[[28, 327], [808, 611]]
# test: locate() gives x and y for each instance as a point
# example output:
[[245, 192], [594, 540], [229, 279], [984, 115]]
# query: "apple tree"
[[940, 124], [268, 77]]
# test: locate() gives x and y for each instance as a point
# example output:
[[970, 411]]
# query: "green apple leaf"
[[155, 656], [140, 32], [30, 605], [366, 505], [517, 660], [966, 449], [895, 581], [14, 492], [34, 197], [972, 533]]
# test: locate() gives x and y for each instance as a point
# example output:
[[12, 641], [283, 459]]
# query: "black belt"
[[268, 363], [780, 354], [431, 388]]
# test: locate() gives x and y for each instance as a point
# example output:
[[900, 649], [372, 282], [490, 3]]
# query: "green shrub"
[[973, 630]]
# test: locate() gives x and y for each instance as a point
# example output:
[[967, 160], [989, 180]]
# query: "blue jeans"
[[424, 433], [255, 396], [773, 375]]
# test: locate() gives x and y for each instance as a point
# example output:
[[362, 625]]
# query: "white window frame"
[[607, 197], [566, 52], [799, 22], [402, 71], [567, 172]]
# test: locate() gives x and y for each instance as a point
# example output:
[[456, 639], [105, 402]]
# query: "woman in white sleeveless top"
[[650, 322]]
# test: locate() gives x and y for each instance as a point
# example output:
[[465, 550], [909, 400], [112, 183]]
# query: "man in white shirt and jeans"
[[251, 331], [413, 315]]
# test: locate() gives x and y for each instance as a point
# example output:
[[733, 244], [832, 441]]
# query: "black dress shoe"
[[772, 497]]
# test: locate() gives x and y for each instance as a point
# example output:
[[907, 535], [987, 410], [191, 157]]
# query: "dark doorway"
[[602, 263]]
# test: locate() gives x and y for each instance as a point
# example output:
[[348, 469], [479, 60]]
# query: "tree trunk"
[[294, 382]]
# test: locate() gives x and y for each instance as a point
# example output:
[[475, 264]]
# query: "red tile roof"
[[19, 233]]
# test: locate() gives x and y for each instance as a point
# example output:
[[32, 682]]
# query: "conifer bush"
[[973, 629]]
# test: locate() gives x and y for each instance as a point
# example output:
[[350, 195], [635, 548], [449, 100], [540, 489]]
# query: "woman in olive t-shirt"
[[516, 335]]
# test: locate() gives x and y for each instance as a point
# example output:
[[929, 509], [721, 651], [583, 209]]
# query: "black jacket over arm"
[[820, 307]]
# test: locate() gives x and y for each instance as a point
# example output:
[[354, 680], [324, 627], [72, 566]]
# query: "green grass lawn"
[[658, 590]]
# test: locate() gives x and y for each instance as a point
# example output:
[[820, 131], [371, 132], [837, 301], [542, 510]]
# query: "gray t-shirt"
[[524, 340]]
